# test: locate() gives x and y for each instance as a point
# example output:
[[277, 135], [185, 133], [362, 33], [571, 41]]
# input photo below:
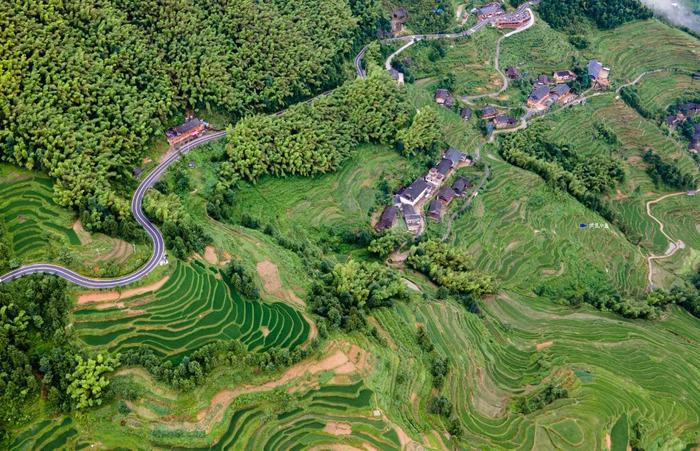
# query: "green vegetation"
[[88, 381], [353, 288], [605, 13], [192, 309], [311, 139], [450, 268], [669, 174]]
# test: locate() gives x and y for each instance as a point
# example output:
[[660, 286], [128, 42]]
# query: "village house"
[[599, 74], [461, 185], [435, 210], [562, 94], [674, 119], [414, 221], [440, 172], [444, 98], [184, 132], [489, 112], [456, 157], [542, 80], [513, 72], [691, 109], [399, 17], [489, 10], [538, 97], [695, 141], [388, 219], [446, 195], [503, 121], [563, 76], [415, 192], [465, 113], [514, 20]]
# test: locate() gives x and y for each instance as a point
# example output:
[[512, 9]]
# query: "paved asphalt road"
[[137, 211]]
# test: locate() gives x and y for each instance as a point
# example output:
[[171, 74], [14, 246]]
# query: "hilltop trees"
[[449, 267], [423, 138], [310, 139], [561, 14]]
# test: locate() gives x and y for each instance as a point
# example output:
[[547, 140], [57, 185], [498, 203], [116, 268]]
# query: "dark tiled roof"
[[543, 79], [491, 8], [387, 219], [594, 68], [539, 93], [489, 111], [503, 119], [435, 209], [512, 72], [447, 194], [561, 90], [466, 113], [409, 212], [442, 94], [444, 166], [461, 184], [454, 155], [417, 188], [183, 128]]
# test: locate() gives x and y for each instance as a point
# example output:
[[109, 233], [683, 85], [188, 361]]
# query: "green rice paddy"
[[33, 218], [301, 424], [192, 309]]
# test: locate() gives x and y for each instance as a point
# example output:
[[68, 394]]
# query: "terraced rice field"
[[636, 134], [193, 308], [642, 46], [34, 220], [341, 199], [659, 91], [329, 415], [528, 235], [470, 60], [538, 50], [49, 435], [611, 368]]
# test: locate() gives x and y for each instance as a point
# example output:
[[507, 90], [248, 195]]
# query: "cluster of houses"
[[494, 11], [411, 199], [545, 92], [191, 128], [497, 120], [685, 111]]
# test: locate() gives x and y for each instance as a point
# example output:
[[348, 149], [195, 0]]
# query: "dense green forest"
[[314, 138], [86, 86], [605, 14]]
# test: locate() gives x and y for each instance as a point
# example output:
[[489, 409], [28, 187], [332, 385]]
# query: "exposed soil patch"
[[83, 235], [210, 255], [411, 285], [338, 359], [272, 284], [337, 428], [544, 345], [265, 331], [21, 219], [111, 296], [608, 441]]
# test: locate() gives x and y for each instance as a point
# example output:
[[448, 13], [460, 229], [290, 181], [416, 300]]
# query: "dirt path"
[[111, 296], [673, 245], [341, 358]]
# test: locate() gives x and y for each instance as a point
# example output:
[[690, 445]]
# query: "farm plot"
[[33, 218], [192, 309], [610, 368], [329, 415], [635, 135], [343, 199], [659, 91], [642, 46], [49, 435], [520, 227]]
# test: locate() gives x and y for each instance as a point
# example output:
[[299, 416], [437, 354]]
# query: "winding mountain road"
[[137, 210]]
